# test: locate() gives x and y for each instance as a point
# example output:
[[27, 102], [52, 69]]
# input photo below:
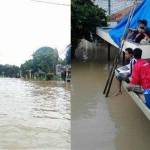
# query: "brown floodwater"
[[92, 127], [100, 123], [34, 115]]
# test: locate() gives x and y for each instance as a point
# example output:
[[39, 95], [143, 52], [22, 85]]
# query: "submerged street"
[[99, 123], [34, 115]]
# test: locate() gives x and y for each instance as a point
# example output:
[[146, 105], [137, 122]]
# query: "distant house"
[[118, 15], [64, 71], [40, 74], [59, 69], [115, 5]]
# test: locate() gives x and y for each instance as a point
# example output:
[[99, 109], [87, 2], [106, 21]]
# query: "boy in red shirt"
[[141, 73]]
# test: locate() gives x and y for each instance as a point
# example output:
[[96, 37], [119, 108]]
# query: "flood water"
[[92, 126], [34, 115], [99, 123]]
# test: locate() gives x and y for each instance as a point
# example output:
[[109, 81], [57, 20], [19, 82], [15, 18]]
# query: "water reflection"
[[34, 115]]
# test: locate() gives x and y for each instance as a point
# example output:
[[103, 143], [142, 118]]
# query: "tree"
[[85, 17], [9, 71], [62, 61], [45, 59], [28, 65]]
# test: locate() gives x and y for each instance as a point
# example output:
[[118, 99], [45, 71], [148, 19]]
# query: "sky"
[[26, 25]]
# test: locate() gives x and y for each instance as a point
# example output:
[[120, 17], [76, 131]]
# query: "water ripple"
[[32, 113]]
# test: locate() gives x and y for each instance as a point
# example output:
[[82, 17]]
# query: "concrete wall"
[[93, 51]]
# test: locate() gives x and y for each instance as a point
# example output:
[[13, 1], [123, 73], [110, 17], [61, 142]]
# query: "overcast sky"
[[26, 25]]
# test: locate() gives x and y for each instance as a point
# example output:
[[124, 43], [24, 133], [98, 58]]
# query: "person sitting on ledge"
[[140, 78], [141, 34], [123, 73]]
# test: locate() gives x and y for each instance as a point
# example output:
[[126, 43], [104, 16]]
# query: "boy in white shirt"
[[124, 73]]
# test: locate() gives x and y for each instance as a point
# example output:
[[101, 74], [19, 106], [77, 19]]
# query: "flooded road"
[[34, 115], [92, 127], [115, 123]]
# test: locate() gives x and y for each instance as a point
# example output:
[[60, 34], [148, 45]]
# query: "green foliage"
[[85, 17], [45, 59], [42, 65], [43, 62], [49, 76], [62, 61], [9, 71], [56, 78], [28, 65]]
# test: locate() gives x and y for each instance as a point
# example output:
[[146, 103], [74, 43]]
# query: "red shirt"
[[141, 74]]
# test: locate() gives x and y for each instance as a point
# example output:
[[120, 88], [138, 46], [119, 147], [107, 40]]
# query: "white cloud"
[[27, 26]]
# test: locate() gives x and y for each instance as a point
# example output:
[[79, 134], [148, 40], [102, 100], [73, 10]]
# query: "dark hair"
[[129, 50], [143, 22], [137, 53]]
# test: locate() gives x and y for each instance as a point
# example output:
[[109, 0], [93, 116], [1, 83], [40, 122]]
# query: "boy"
[[123, 73], [140, 78]]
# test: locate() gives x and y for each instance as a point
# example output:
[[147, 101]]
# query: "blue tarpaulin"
[[141, 12]]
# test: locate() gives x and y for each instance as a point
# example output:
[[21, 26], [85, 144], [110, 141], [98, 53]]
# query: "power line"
[[52, 3]]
